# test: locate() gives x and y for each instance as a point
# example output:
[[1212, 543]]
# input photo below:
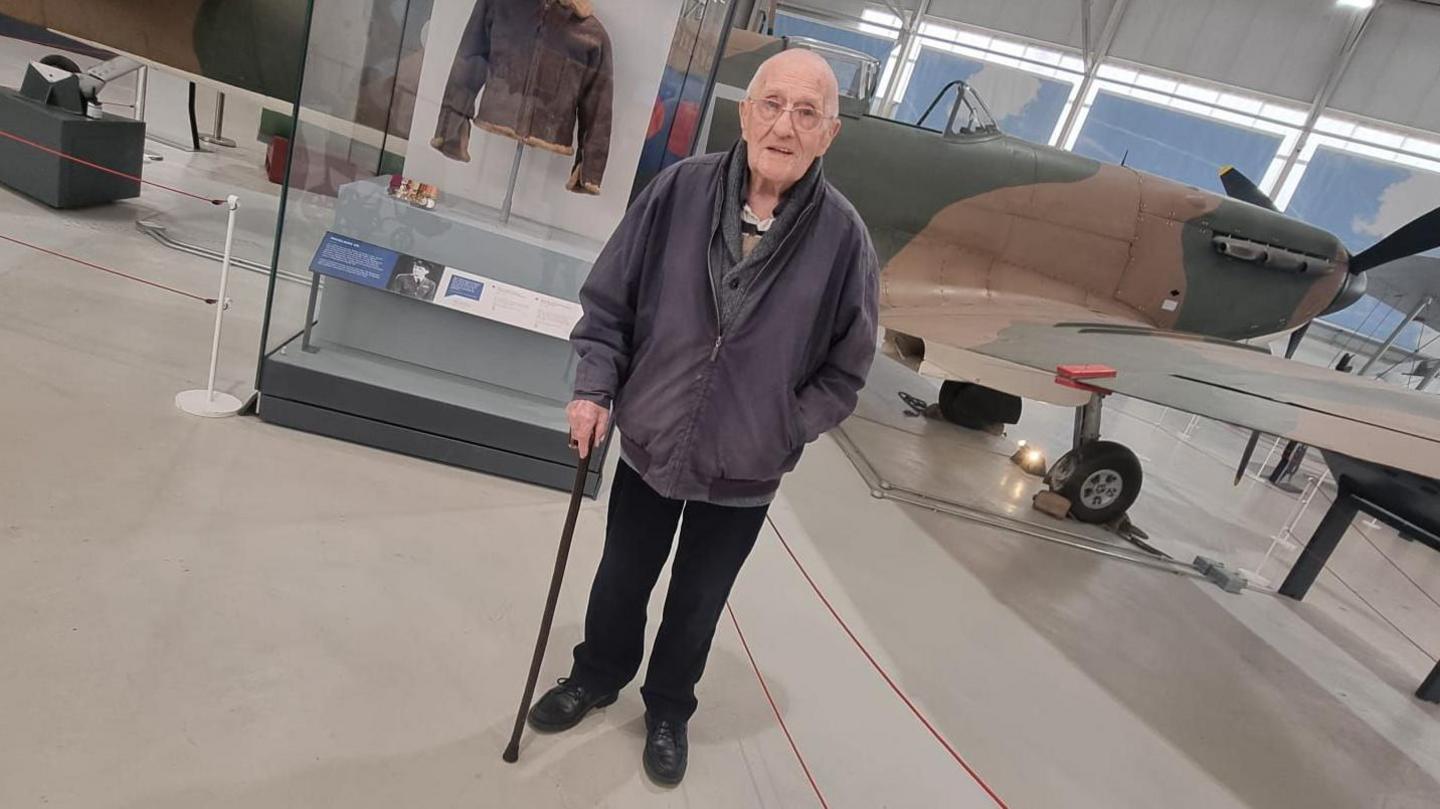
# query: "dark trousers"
[[714, 542]]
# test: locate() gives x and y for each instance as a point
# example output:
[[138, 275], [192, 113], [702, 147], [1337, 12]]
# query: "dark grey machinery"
[[54, 116], [1407, 502]]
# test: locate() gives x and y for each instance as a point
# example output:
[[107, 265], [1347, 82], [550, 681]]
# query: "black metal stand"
[[310, 313], [1316, 554], [582, 470], [1327, 537], [1430, 689]]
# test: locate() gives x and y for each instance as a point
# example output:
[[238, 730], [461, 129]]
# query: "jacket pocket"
[[759, 440]]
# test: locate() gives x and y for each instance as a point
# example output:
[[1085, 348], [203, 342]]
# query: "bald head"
[[789, 117], [806, 66]]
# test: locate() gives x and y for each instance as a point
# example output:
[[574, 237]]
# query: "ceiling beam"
[[1095, 56]]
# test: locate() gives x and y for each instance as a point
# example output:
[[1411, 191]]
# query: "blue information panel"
[[355, 261]]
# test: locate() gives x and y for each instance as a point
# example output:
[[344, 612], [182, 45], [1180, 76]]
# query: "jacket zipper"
[[714, 293]]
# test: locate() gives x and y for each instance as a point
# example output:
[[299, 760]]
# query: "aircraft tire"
[[1101, 480]]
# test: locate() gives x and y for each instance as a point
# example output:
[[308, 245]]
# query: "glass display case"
[[451, 171]]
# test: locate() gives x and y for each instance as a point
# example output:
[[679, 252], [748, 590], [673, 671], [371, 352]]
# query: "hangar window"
[[1026, 86], [1184, 129]]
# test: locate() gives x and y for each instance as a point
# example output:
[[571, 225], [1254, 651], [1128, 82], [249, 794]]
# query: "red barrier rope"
[[888, 680], [137, 178], [776, 708], [95, 266]]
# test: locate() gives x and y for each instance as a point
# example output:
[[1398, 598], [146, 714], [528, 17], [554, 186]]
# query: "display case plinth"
[[355, 396]]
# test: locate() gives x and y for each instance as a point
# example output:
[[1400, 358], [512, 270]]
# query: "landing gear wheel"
[[1101, 480]]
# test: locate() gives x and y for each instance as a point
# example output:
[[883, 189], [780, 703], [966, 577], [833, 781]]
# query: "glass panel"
[[879, 47], [454, 168], [1182, 146]]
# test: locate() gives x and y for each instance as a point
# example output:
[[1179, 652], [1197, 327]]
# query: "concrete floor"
[[228, 614]]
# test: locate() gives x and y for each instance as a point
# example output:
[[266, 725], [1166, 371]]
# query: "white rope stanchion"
[[209, 402]]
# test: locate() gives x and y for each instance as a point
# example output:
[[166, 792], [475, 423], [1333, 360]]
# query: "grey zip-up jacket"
[[713, 416]]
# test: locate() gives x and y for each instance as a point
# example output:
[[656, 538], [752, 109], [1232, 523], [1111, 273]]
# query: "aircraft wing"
[[1017, 349], [254, 45]]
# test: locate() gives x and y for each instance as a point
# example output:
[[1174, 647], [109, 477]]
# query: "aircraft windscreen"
[[974, 117], [968, 113]]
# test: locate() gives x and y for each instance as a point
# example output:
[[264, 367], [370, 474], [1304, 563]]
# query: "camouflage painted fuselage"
[[989, 218]]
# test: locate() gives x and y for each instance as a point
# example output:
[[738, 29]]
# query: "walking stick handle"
[[582, 473]]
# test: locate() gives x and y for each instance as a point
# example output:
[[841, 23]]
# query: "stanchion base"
[[200, 403], [217, 141]]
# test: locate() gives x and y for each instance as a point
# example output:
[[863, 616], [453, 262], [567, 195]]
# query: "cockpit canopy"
[[968, 113], [859, 77]]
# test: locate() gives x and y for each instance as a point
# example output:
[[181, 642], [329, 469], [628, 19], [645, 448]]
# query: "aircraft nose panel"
[[1238, 293]]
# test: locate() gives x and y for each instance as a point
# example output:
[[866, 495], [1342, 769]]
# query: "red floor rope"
[[819, 796], [137, 178], [95, 266], [881, 671]]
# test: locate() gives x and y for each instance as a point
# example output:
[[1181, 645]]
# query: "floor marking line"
[[881, 671], [775, 708], [95, 266]]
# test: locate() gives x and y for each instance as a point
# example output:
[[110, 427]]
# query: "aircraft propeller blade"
[[1238, 186], [1417, 237]]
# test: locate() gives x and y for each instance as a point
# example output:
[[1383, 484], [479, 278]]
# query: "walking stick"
[[582, 471]]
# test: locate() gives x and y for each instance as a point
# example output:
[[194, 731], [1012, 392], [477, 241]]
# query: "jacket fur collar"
[[581, 8]]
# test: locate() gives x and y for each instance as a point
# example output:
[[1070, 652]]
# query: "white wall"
[[1396, 73], [336, 56], [1278, 47], [640, 31], [1056, 21]]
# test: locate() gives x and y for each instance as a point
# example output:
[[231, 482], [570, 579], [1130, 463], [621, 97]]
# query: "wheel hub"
[[1102, 488]]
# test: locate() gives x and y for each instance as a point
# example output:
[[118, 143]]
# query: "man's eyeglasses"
[[805, 119]]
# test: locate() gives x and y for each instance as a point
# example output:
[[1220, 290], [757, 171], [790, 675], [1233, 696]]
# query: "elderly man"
[[729, 321]]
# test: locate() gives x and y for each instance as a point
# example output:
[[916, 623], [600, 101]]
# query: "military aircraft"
[[1015, 270]]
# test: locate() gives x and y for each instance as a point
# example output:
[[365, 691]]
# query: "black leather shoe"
[[666, 749], [566, 704]]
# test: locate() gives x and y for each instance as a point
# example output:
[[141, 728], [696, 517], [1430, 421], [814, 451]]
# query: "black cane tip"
[[512, 753]]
